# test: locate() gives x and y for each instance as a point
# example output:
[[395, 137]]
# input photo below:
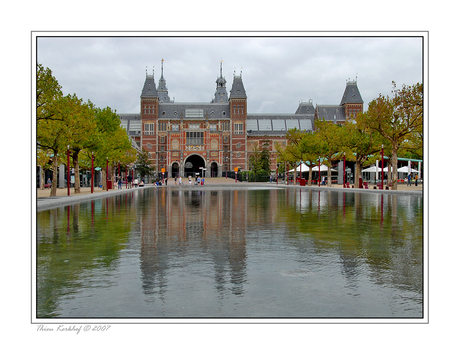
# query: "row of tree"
[[393, 122], [67, 123]]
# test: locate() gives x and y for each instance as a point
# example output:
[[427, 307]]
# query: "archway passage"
[[214, 169], [175, 170], [192, 165]]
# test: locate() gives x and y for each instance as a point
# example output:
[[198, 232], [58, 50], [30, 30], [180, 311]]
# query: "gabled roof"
[[332, 113], [351, 94], [237, 91], [149, 89]]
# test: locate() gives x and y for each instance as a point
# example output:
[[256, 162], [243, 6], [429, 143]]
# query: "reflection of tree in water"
[[351, 223], [75, 241]]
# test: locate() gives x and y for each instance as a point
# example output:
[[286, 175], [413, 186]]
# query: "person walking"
[[409, 177], [416, 178], [175, 180], [119, 182], [130, 181], [180, 180]]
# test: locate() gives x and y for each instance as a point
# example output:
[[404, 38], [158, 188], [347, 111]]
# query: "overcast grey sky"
[[278, 72]]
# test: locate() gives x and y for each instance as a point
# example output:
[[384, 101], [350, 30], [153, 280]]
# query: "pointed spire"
[[162, 89], [221, 91]]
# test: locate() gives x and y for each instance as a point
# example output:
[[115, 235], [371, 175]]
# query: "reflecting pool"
[[190, 253]]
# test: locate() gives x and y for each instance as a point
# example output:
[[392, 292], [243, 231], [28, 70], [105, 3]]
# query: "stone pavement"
[[44, 201]]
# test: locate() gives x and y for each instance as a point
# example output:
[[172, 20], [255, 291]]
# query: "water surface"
[[275, 253]]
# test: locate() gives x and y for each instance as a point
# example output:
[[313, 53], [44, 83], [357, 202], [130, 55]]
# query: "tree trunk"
[[309, 175], [77, 171], [394, 168], [42, 178], [104, 179], [55, 174], [329, 176], [358, 171]]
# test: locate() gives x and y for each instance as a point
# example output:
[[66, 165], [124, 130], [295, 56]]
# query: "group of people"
[[131, 182], [198, 180], [409, 179]]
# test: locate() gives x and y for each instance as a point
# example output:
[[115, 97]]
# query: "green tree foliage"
[[143, 164], [311, 148], [47, 95], [330, 143], [360, 143], [66, 122], [399, 120], [259, 160]]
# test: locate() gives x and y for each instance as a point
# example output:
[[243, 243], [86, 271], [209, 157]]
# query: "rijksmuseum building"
[[216, 137]]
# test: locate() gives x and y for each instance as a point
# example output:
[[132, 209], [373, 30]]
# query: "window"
[[162, 126], [194, 138], [226, 126], [149, 129], [213, 127], [175, 127], [194, 113], [162, 139], [238, 128]]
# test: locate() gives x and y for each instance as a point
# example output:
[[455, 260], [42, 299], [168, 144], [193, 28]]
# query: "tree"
[[48, 93], [259, 160], [51, 134], [310, 146], [398, 119], [50, 127], [330, 143], [143, 164], [293, 137], [80, 129], [360, 143], [44, 161]]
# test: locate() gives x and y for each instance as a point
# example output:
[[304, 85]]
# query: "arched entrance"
[[175, 170], [193, 164], [214, 169]]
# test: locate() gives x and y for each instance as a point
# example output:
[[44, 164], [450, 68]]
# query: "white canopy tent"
[[405, 169], [371, 169], [323, 168], [303, 166]]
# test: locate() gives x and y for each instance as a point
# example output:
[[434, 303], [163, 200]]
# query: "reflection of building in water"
[[180, 224]]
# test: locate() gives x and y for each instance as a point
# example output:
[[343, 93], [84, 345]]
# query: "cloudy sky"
[[278, 71]]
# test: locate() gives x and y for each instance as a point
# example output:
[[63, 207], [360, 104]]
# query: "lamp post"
[[344, 172], [68, 171], [382, 167], [92, 172]]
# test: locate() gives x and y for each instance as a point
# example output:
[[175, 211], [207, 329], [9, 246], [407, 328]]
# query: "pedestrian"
[[189, 180], [175, 180], [180, 180], [416, 178], [119, 182], [166, 181], [130, 181], [409, 177]]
